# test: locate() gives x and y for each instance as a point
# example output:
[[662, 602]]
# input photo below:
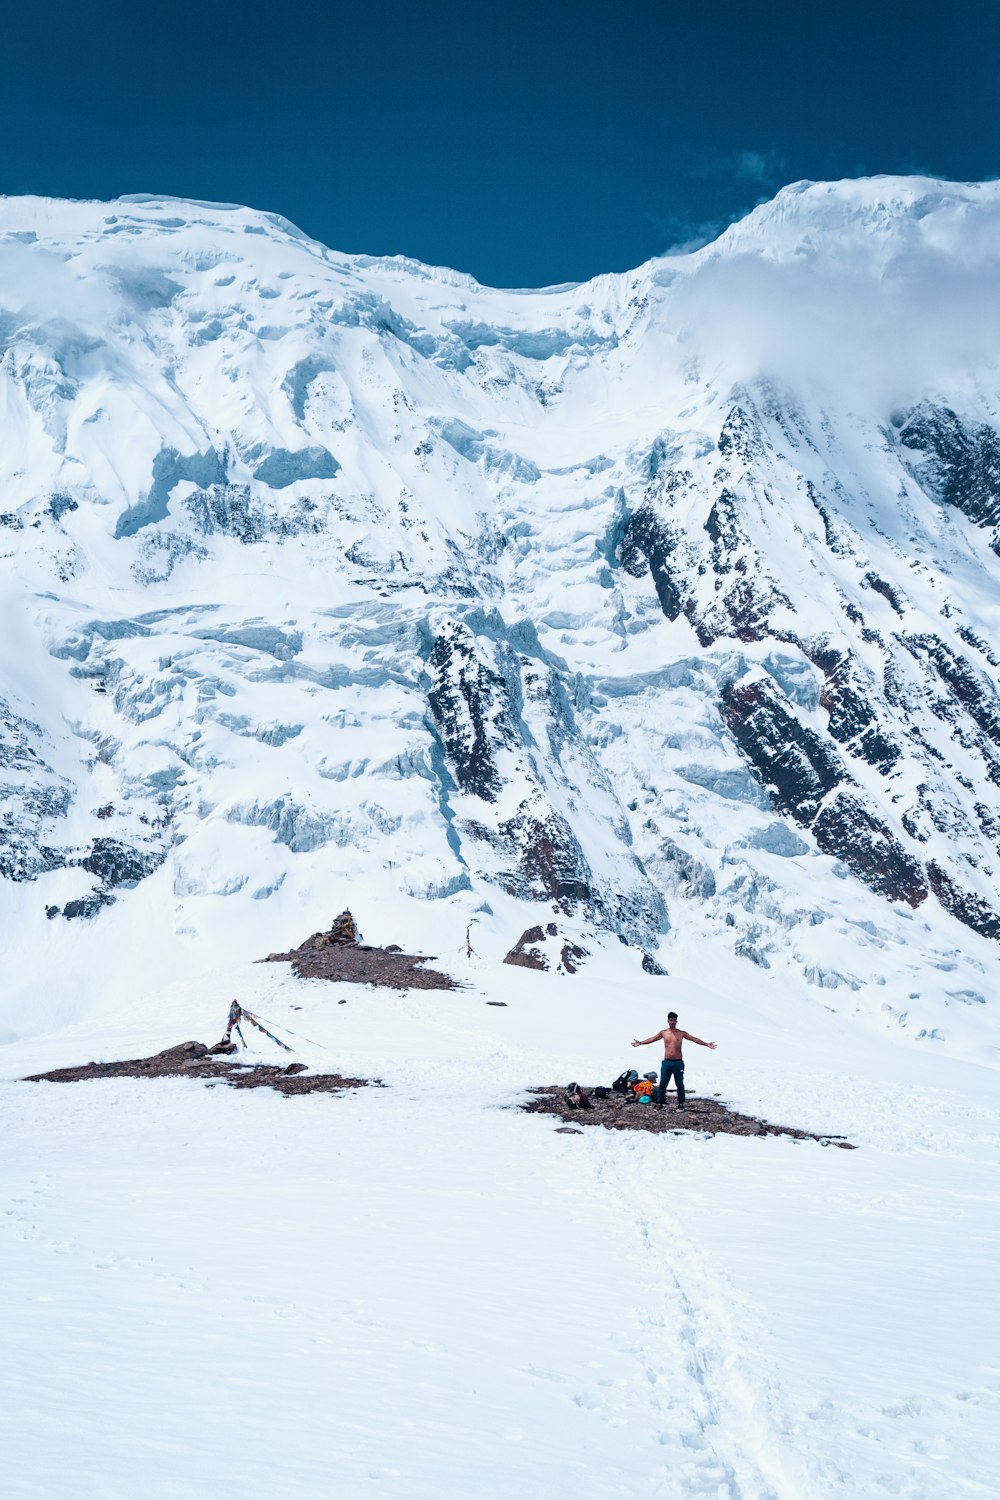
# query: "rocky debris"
[[358, 963], [703, 1116], [195, 1060]]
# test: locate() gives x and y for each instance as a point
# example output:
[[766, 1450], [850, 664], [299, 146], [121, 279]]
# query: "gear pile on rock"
[[618, 1110]]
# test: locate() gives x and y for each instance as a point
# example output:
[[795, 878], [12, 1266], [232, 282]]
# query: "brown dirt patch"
[[193, 1060], [356, 963], [704, 1116]]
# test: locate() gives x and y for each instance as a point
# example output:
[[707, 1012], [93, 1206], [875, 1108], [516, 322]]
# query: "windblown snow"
[[660, 610]]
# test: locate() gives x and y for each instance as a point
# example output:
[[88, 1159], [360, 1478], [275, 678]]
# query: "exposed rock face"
[[847, 697], [526, 952], [852, 832], [470, 706], [866, 708], [957, 460], [646, 546], [968, 908], [797, 766], [36, 804], [509, 735], [537, 948]]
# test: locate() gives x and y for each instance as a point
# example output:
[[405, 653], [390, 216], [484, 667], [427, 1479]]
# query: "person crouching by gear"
[[672, 1065]]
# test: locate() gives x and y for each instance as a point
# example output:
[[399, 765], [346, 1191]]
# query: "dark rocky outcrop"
[[854, 721], [469, 708], [958, 460], [801, 771], [571, 956], [647, 546], [83, 906], [970, 909], [879, 586], [796, 766], [526, 952], [850, 831], [115, 863], [740, 438], [551, 863], [529, 952]]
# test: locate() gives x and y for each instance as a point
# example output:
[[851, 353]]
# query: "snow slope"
[[414, 1289], [660, 608]]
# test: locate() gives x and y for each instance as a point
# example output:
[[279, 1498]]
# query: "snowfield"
[[419, 1289], [662, 610]]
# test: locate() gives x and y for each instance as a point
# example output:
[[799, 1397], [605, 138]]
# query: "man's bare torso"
[[673, 1043]]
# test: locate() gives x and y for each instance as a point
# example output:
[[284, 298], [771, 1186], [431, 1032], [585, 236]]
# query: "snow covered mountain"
[[662, 608]]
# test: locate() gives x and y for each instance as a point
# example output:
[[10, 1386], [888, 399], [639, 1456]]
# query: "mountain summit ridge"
[[661, 604]]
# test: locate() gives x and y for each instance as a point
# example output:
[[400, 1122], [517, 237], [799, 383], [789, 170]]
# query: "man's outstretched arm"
[[689, 1038], [655, 1038]]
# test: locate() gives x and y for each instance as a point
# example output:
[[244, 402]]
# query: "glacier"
[[579, 587]]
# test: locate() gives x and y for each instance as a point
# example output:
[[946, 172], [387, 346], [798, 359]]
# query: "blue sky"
[[527, 143]]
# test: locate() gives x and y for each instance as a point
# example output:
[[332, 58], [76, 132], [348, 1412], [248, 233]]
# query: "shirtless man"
[[672, 1065]]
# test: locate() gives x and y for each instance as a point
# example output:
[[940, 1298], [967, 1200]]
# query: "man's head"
[[672, 1017]]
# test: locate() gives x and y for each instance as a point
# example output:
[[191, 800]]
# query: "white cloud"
[[890, 316]]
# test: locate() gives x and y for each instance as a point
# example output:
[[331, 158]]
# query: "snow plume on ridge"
[[659, 609], [891, 315]]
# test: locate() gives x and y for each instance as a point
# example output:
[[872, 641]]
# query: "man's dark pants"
[[671, 1069]]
